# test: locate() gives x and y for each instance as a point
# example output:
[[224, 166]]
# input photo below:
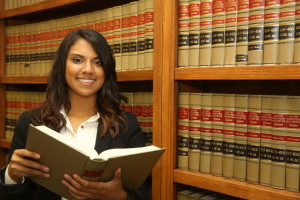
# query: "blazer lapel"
[[102, 142]]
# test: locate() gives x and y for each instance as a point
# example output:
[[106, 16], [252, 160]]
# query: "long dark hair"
[[108, 97]]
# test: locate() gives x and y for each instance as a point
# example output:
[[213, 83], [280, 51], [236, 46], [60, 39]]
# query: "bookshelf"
[[55, 9]]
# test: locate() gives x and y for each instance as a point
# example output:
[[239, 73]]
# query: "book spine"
[[183, 128], [293, 143], [230, 32], [137, 106], [194, 131], [240, 137], [133, 35], [271, 32], [253, 138], [194, 33], [8, 44], [218, 33], [228, 135], [205, 134], [266, 141], [149, 34], [183, 33], [125, 37], [297, 34], [141, 35], [205, 33], [286, 32], [278, 142], [242, 33], [256, 32], [217, 117], [117, 36]]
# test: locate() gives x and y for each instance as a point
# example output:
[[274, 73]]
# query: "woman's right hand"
[[24, 164]]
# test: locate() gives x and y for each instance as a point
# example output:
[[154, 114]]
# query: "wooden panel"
[[239, 73], [169, 56], [232, 187], [5, 144], [141, 75]]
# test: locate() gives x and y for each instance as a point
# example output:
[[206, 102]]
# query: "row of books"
[[129, 29], [238, 32], [16, 102], [11, 4], [202, 194], [253, 138]]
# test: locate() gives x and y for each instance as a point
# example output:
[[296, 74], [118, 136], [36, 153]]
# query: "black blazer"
[[132, 137]]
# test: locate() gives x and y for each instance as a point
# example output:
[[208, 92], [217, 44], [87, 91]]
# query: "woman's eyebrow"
[[79, 55]]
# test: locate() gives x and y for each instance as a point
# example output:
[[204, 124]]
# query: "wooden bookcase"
[[166, 79]]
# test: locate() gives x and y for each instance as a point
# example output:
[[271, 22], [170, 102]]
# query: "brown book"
[[253, 138], [194, 33], [297, 34], [240, 137], [293, 143], [278, 142], [183, 33], [230, 32], [271, 32], [218, 33], [286, 32], [86, 162], [242, 32], [256, 32], [266, 141]]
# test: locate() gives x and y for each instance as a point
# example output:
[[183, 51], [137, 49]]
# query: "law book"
[[205, 33], [137, 106], [297, 34], [228, 135], [218, 33], [183, 131], [117, 36], [125, 10], [240, 137], [256, 32], [286, 32], [230, 32], [242, 33], [194, 131], [194, 33], [217, 118], [271, 32], [86, 162], [141, 35], [266, 141], [278, 166], [183, 33], [253, 138], [128, 107], [149, 34], [293, 143], [133, 22], [205, 134]]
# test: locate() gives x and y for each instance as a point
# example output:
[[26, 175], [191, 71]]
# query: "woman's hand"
[[83, 189], [24, 164]]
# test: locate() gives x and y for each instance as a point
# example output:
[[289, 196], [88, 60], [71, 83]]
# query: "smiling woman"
[[82, 102]]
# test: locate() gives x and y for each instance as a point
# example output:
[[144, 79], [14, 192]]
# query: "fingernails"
[[46, 169], [37, 156]]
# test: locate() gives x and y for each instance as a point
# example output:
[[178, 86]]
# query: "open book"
[[66, 156]]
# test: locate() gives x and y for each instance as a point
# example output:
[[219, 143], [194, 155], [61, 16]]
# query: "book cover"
[[271, 32], [266, 141], [183, 33], [218, 33], [253, 138], [228, 135], [230, 32], [205, 33], [240, 137], [86, 162], [293, 143], [194, 33], [278, 142]]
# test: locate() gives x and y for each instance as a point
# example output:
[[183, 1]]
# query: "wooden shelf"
[[232, 187], [142, 75], [5, 144], [37, 7], [239, 73]]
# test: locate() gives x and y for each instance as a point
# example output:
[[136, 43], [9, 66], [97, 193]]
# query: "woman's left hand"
[[83, 189]]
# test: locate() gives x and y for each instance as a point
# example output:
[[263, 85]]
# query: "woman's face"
[[84, 73]]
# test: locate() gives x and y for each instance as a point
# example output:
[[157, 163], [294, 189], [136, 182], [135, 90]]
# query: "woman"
[[82, 101]]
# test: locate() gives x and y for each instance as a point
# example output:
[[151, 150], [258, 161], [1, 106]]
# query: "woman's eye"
[[97, 62], [77, 60]]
